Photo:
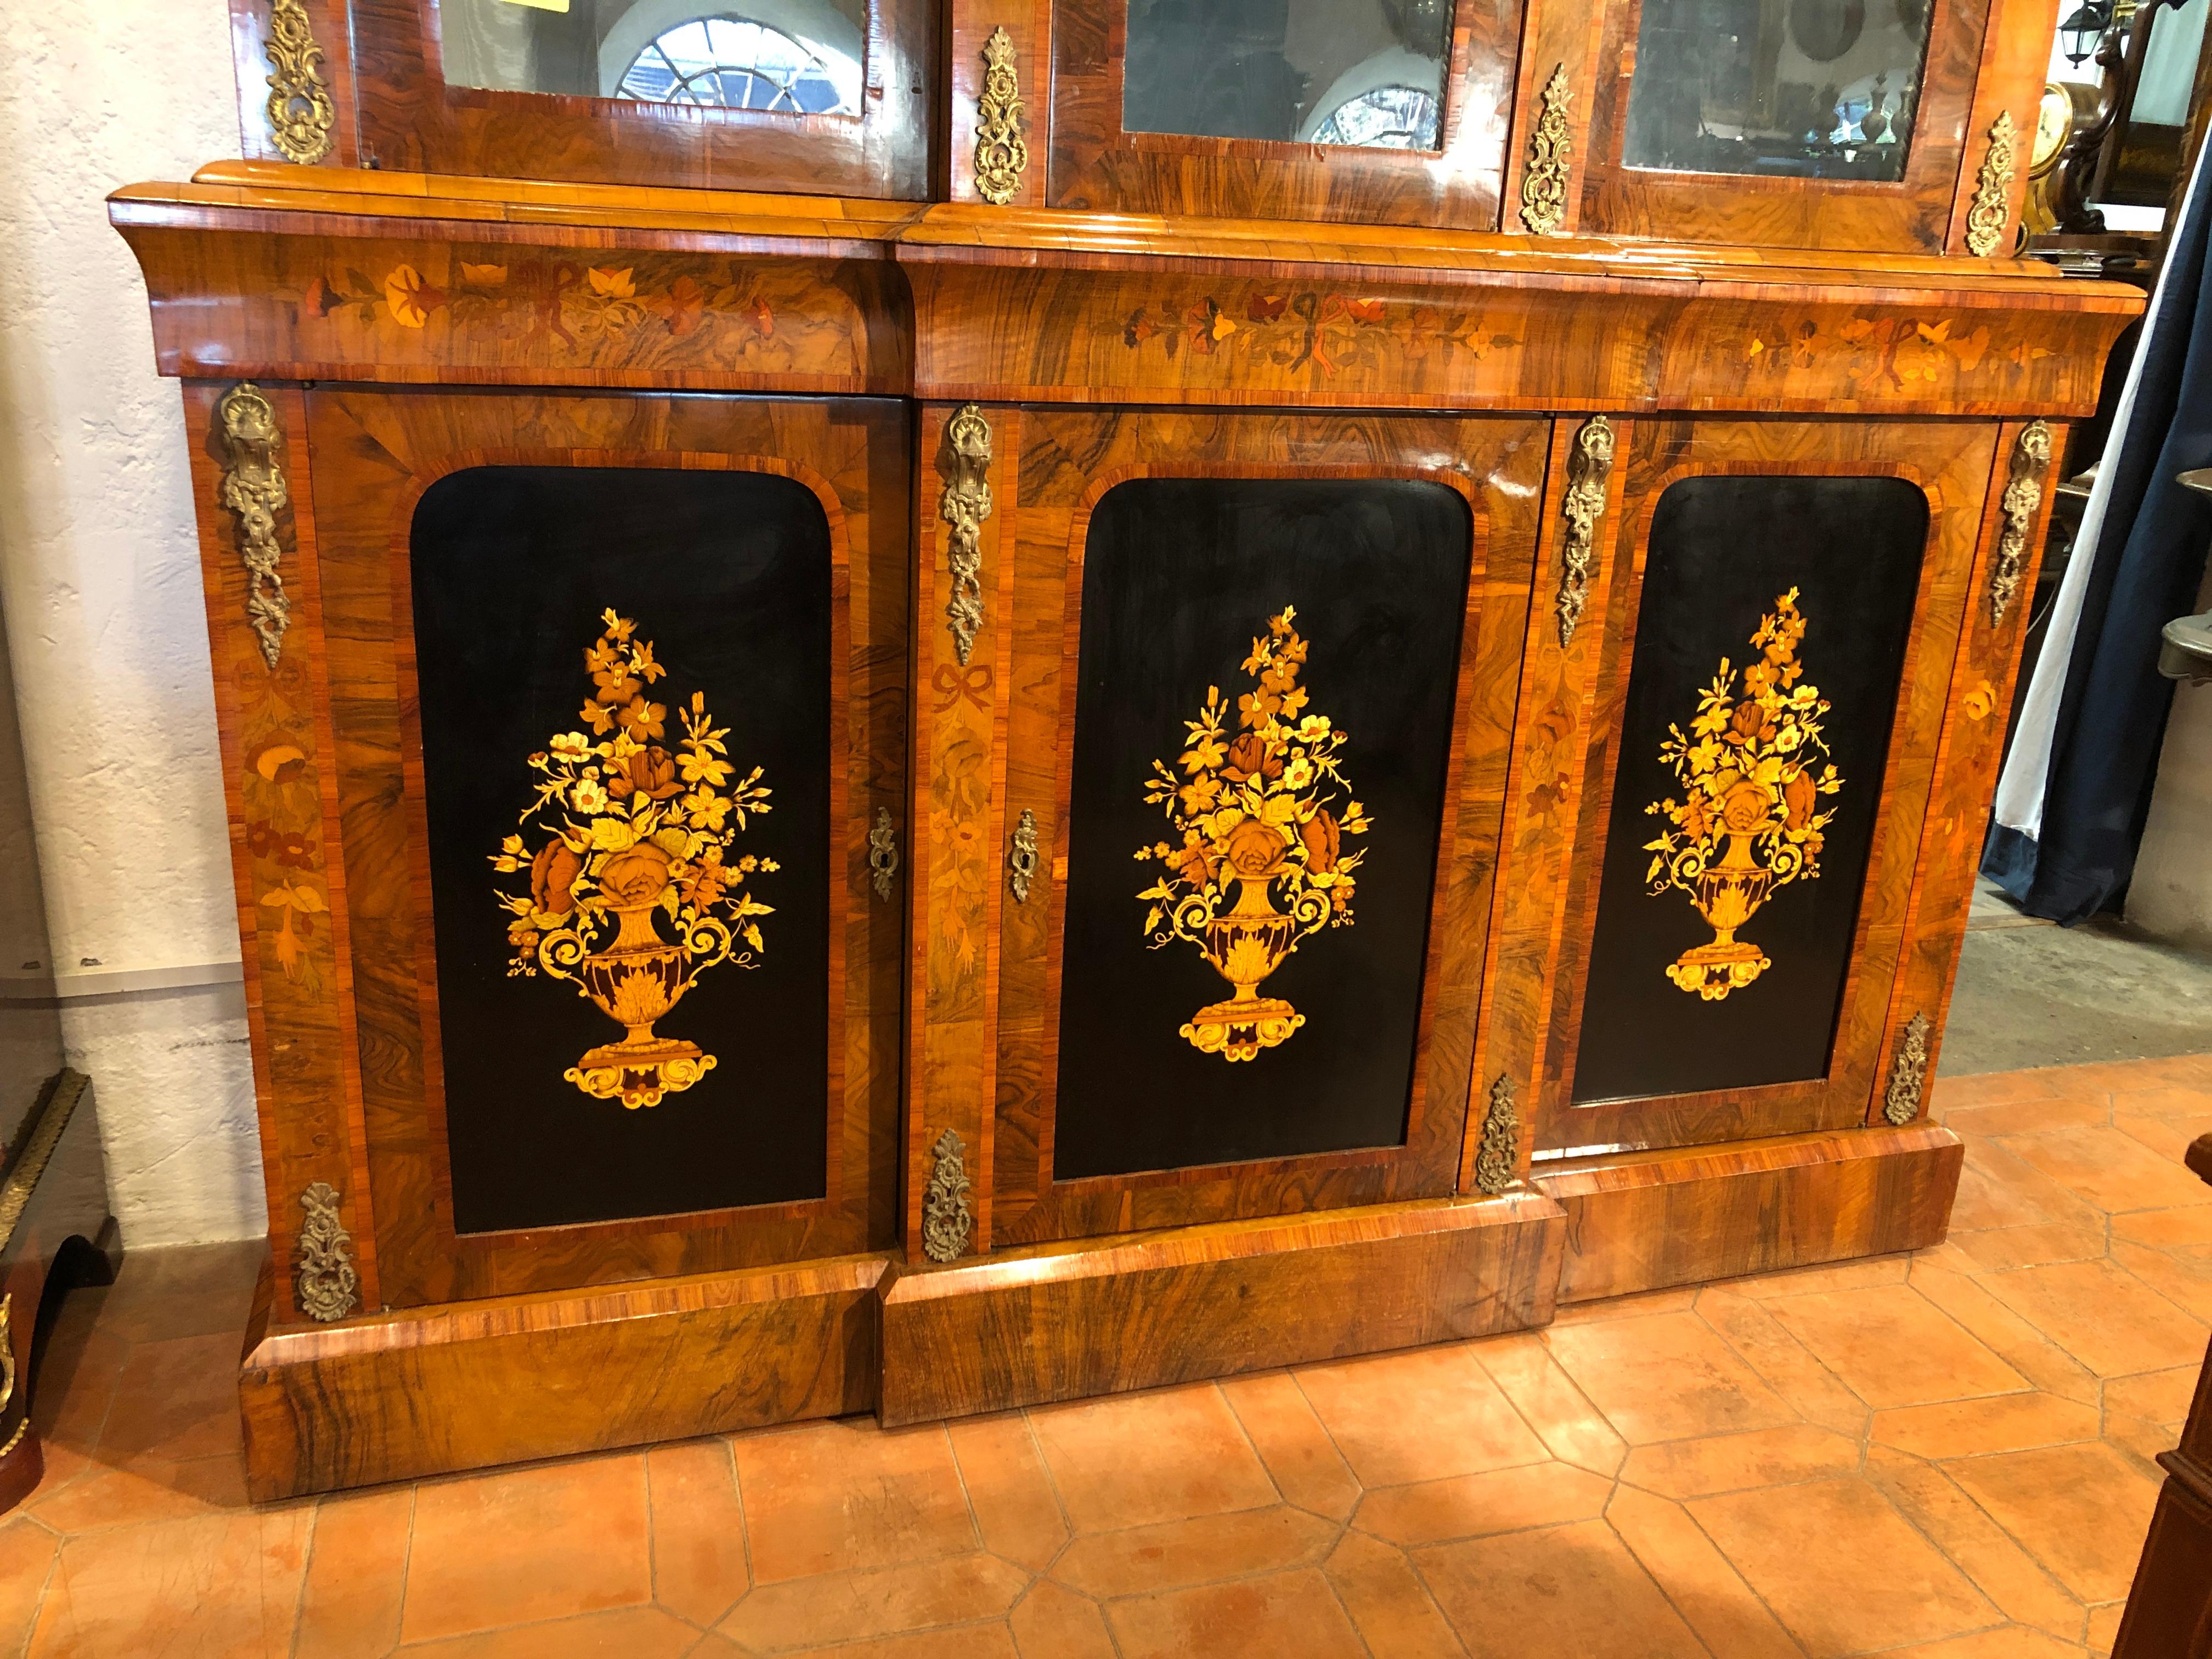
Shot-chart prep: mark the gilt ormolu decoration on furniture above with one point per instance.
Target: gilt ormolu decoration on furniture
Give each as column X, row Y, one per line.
column 1589, row 469
column 1990, row 213
column 964, row 505
column 326, row 1283
column 300, row 109
column 2023, row 495
column 1550, row 146
column 1497, row 1158
column 1908, row 1073
column 946, row 1220
column 7, row 1364
column 1752, row 769
column 883, row 853
column 253, row 489
column 1267, row 803
column 1022, row 856
column 1002, row 155
column 622, row 832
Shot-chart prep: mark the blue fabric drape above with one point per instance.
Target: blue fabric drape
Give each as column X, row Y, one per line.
column 2144, row 569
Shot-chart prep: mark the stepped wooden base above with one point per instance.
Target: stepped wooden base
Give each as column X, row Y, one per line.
column 430, row 1390
column 1102, row 1316
column 1640, row 1221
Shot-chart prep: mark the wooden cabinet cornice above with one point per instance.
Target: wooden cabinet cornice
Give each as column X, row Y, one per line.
column 256, row 269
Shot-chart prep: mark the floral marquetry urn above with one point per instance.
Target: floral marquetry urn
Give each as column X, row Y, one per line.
column 1261, row 809
column 1753, row 768
column 633, row 891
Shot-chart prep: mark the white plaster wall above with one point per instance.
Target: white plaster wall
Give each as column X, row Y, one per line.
column 99, row 578
column 2171, row 894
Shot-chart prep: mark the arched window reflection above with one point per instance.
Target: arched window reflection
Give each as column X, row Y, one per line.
column 729, row 62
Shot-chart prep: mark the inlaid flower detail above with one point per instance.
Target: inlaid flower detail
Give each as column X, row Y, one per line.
column 1755, row 768
column 1259, row 807
column 623, row 874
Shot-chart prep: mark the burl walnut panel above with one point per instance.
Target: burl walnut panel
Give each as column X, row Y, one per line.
column 1101, row 1316
column 1641, row 1221
column 434, row 1390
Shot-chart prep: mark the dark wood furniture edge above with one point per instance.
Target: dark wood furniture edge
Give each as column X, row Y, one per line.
column 55, row 1233
column 1095, row 1316
column 2169, row 1612
column 1642, row 1221
column 468, row 1385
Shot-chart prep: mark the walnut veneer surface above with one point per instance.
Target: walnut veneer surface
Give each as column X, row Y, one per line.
column 406, row 325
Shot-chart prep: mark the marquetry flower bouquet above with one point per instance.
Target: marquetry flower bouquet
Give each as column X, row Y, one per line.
column 1754, row 769
column 1261, row 813
column 633, row 889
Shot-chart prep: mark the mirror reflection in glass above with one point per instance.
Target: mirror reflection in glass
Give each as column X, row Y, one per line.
column 790, row 56
column 1793, row 88
column 1363, row 72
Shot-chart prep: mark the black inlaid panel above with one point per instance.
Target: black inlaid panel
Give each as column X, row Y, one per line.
column 1721, row 738
column 727, row 576
column 1186, row 587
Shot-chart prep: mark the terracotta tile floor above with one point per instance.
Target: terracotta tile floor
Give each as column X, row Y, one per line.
column 1946, row 1456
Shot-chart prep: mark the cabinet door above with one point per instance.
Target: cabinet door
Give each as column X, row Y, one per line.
column 1851, row 124
column 830, row 97
column 617, row 696
column 1300, row 109
column 1253, row 677
column 1784, row 611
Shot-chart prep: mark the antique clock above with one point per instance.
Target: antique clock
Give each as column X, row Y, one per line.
column 929, row 706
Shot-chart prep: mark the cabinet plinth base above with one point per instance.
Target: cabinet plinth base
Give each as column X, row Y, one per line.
column 431, row 1390
column 1641, row 1221
column 1102, row 1316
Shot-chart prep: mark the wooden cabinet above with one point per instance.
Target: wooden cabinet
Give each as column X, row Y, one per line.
column 844, row 803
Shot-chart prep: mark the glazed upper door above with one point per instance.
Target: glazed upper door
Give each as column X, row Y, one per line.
column 617, row 694
column 1392, row 111
column 1776, row 619
column 1213, row 765
column 830, row 97
column 1881, row 125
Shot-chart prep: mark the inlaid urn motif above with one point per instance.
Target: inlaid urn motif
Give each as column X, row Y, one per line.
column 632, row 891
column 1259, row 810
column 1753, row 768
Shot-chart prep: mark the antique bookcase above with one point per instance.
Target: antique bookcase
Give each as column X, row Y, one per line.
column 1348, row 693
